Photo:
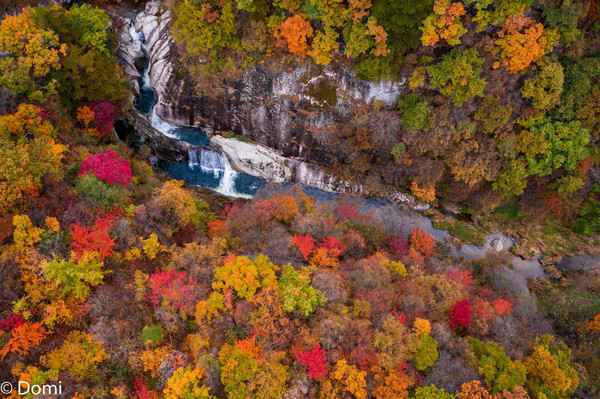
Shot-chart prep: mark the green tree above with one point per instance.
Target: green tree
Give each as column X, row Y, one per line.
column 432, row 392
column 513, row 178
column 401, row 20
column 426, row 352
column 414, row 112
column 73, row 277
column 458, row 75
column 248, row 374
column 98, row 192
column 495, row 12
column 499, row 371
column 296, row 292
column 492, row 114
column 545, row 88
column 548, row 145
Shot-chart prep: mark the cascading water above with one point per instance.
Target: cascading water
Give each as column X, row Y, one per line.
column 205, row 167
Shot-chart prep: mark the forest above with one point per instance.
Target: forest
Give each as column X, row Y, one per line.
column 119, row 281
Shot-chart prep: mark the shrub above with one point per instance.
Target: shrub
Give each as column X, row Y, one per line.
column 458, row 75
column 99, row 193
column 152, row 334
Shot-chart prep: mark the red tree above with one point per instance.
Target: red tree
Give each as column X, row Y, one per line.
column 109, row 167
column 398, row 245
column 333, row 245
column 460, row 314
column 173, row 289
column 305, row 244
column 142, row 391
column 11, row 321
column 93, row 239
column 105, row 114
column 314, row 361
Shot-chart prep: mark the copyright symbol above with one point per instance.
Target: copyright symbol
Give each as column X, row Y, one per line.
column 6, row 388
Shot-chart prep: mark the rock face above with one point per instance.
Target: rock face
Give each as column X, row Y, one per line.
column 261, row 161
column 279, row 109
column 282, row 111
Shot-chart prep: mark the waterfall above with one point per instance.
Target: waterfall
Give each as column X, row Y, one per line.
column 201, row 160
column 227, row 183
column 192, row 158
column 212, row 161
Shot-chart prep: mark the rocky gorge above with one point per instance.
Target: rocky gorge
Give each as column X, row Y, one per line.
column 277, row 114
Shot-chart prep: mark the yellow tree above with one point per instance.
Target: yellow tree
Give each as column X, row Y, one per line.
column 33, row 53
column 28, row 152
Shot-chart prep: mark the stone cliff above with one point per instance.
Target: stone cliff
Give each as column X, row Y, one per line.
column 285, row 110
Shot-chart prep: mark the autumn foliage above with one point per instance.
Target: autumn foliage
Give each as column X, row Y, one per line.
column 421, row 245
column 172, row 289
column 314, row 360
column 23, row 338
column 109, row 167
column 520, row 42
column 461, row 314
column 296, row 31
column 444, row 24
column 305, row 244
column 96, row 238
